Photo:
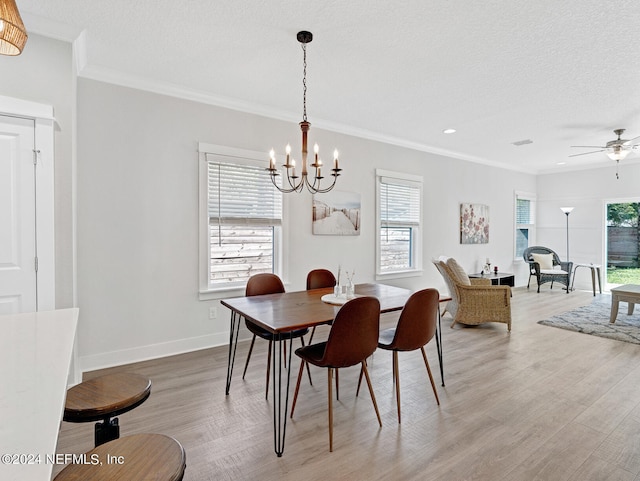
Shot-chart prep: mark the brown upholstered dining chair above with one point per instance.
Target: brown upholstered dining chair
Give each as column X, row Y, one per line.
column 352, row 339
column 318, row 279
column 257, row 285
column 415, row 328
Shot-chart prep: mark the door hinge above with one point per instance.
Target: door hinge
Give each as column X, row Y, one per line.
column 36, row 153
column 36, row 263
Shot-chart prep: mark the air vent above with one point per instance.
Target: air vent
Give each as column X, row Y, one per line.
column 522, row 142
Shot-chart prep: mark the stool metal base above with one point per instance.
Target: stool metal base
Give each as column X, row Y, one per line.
column 106, row 431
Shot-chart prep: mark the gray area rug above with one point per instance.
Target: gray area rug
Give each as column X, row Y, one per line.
column 594, row 319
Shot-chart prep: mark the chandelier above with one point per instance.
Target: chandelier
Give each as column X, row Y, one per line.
column 295, row 182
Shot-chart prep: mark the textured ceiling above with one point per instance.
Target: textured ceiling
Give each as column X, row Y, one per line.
column 559, row 73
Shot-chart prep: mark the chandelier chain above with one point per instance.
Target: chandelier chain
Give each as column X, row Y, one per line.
column 304, row 83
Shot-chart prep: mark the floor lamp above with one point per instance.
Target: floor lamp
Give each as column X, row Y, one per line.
column 567, row 211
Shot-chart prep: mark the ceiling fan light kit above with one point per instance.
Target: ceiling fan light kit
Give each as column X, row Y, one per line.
column 617, row 149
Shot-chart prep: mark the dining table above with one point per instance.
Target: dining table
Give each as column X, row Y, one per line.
column 283, row 313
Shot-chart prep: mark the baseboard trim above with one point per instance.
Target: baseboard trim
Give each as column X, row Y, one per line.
column 152, row 351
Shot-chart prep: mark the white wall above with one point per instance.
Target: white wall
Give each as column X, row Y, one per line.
column 43, row 73
column 137, row 202
column 138, row 216
column 587, row 191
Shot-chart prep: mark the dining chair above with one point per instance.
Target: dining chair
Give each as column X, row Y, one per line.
column 318, row 279
column 257, row 285
column 416, row 327
column 352, row 339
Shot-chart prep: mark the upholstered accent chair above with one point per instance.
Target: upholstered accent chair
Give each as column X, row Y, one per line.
column 473, row 301
column 546, row 266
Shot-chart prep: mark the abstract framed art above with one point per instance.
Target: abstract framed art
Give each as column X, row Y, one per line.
column 474, row 223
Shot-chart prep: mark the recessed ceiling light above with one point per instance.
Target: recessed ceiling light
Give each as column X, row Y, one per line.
column 561, row 163
column 449, row 131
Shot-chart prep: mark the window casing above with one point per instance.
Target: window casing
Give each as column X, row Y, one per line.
column 242, row 216
column 399, row 224
column 525, row 222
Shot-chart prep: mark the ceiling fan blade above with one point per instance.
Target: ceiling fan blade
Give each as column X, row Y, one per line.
column 627, row 142
column 586, row 153
column 589, row 146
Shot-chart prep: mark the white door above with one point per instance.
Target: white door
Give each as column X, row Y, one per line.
column 18, row 281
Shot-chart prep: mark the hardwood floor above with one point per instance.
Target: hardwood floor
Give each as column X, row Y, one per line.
column 539, row 403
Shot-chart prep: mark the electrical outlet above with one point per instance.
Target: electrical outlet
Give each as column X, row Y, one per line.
column 213, row 312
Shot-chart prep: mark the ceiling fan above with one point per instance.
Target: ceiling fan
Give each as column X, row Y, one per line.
column 616, row 149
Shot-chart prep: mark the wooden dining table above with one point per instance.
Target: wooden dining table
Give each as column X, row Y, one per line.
column 283, row 313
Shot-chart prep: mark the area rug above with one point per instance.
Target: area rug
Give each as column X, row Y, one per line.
column 594, row 319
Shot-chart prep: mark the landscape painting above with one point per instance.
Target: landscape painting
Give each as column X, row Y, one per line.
column 336, row 213
column 474, row 224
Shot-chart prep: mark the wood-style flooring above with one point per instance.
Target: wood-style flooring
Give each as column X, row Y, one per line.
column 538, row 403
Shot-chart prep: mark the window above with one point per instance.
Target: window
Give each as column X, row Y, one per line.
column 525, row 213
column 399, row 208
column 242, row 213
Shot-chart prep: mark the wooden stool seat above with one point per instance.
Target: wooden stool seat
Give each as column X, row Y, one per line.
column 104, row 397
column 139, row 456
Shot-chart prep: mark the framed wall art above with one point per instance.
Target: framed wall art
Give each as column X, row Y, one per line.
column 474, row 223
column 336, row 213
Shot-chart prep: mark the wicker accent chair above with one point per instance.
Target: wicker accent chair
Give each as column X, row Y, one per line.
column 542, row 264
column 474, row 301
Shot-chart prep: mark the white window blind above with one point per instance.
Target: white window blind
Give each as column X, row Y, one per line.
column 399, row 202
column 245, row 215
column 242, row 194
column 399, row 217
column 525, row 219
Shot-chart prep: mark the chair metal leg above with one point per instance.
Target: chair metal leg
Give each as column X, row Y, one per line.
column 246, row 364
column 308, row 371
column 433, row 384
column 373, row 396
column 330, row 397
column 359, row 382
column 313, row 331
column 396, row 381
column 337, row 386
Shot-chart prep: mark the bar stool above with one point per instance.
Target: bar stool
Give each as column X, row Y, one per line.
column 104, row 397
column 138, row 456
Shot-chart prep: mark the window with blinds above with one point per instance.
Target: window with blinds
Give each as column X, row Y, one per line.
column 399, row 202
column 244, row 217
column 525, row 222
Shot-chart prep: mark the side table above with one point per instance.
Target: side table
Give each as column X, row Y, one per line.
column 497, row 279
column 595, row 269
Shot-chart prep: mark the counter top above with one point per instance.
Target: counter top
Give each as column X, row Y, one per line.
column 35, row 356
